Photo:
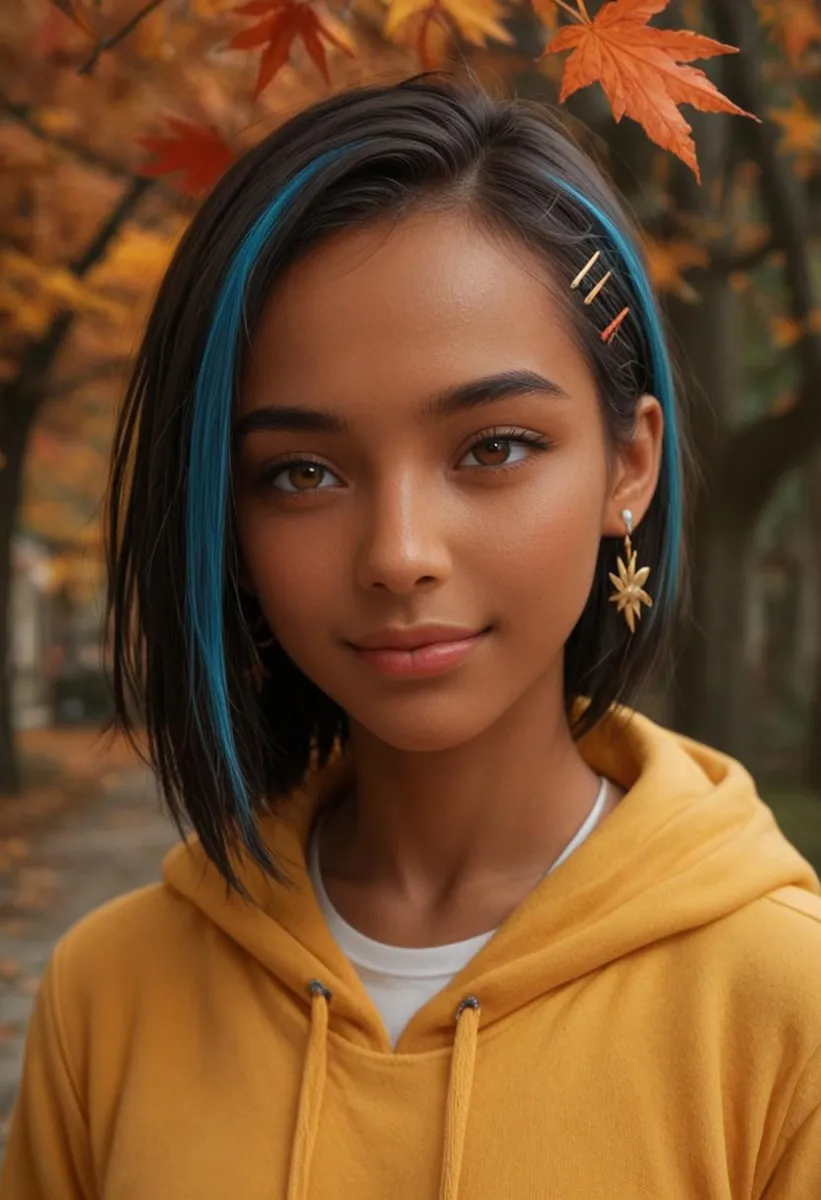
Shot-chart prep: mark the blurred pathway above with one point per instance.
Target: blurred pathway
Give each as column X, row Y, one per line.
column 95, row 851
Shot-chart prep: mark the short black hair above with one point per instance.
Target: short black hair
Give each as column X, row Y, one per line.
column 182, row 626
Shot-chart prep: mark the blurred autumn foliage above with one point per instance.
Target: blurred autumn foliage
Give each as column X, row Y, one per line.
column 116, row 115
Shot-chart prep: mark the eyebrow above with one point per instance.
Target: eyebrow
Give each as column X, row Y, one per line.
column 490, row 388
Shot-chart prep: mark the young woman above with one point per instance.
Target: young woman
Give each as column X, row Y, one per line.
column 454, row 921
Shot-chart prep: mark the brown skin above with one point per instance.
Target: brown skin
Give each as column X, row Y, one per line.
column 469, row 784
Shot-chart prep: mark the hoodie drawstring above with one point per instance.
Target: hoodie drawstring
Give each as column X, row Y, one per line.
column 313, row 1086
column 459, row 1090
column 310, row 1095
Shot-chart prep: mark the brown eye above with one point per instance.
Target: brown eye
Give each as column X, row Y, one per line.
column 504, row 449
column 300, row 475
column 492, row 452
column 304, row 477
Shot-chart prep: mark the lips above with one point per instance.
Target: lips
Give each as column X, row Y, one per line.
column 419, row 652
column 414, row 637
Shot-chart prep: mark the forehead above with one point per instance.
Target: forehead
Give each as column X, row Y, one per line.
column 405, row 309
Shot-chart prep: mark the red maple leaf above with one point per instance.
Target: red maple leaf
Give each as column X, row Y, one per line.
column 640, row 70
column 196, row 150
column 68, row 9
column 283, row 22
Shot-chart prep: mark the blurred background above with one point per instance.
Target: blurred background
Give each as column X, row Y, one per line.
column 115, row 116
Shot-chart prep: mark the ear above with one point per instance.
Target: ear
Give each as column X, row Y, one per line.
column 636, row 468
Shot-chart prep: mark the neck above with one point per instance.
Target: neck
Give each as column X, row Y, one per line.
column 434, row 827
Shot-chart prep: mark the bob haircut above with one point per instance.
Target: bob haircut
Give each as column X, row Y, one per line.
column 183, row 646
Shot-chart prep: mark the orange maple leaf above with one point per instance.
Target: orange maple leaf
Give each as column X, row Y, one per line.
column 432, row 24
column 640, row 70
column 667, row 262
column 802, row 128
column 548, row 13
column 195, row 150
column 795, row 23
column 788, row 331
column 283, row 22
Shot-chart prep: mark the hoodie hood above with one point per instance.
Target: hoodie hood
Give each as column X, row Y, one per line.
column 690, row 843
column 190, row 1043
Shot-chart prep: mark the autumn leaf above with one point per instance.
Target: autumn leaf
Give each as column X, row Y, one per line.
column 210, row 8
column 75, row 15
column 429, row 36
column 548, row 13
column 283, row 21
column 802, row 128
column 474, row 20
column 139, row 255
column 151, row 37
column 641, row 71
column 27, row 282
column 794, row 23
column 666, row 262
column 788, row 331
column 198, row 152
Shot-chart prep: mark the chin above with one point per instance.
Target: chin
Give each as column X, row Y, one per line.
column 427, row 727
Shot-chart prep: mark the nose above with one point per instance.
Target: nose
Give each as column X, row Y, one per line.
column 404, row 543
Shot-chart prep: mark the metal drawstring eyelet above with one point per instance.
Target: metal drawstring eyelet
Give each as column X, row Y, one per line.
column 468, row 1002
column 317, row 988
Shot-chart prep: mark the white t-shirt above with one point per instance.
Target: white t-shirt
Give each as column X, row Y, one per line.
column 401, row 979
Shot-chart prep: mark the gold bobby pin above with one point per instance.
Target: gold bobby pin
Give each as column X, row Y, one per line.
column 612, row 329
column 593, row 293
column 587, row 267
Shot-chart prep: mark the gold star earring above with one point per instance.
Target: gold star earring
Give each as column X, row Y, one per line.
column 629, row 583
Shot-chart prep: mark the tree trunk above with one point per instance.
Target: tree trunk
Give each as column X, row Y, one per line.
column 813, row 755
column 708, row 700
column 17, row 424
column 20, row 402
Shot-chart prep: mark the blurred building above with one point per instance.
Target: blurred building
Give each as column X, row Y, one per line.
column 55, row 623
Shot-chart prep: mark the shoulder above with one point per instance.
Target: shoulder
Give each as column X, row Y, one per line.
column 802, row 909
column 789, row 922
column 769, row 955
column 787, row 926
column 125, row 947
column 780, row 930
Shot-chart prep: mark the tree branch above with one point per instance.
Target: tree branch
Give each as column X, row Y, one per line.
column 27, row 386
column 108, row 43
column 24, row 115
column 764, row 451
column 62, row 388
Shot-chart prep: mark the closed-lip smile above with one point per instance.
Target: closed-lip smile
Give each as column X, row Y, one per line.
column 413, row 637
column 418, row 651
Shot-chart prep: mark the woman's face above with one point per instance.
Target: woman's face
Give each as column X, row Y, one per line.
column 420, row 444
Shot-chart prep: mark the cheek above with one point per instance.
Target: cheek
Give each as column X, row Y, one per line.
column 543, row 554
column 295, row 568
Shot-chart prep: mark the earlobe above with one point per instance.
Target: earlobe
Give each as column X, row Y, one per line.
column 637, row 468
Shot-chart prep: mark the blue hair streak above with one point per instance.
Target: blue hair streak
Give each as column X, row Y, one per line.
column 208, row 497
column 663, row 385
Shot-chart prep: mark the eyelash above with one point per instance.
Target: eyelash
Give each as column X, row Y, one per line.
column 515, row 436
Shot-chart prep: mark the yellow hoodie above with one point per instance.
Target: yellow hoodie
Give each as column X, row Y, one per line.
column 646, row 1024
